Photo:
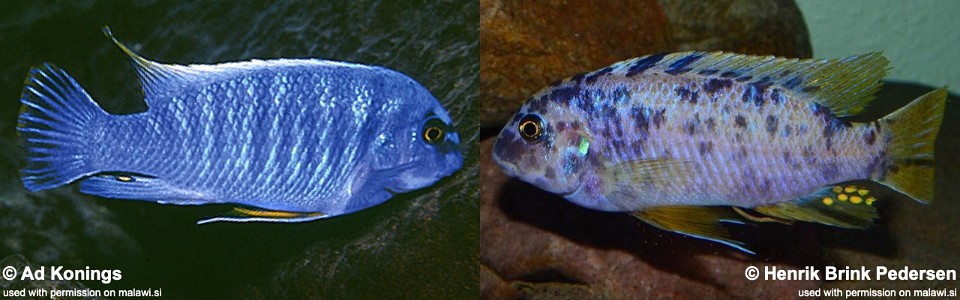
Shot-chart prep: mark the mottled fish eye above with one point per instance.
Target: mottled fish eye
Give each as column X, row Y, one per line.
column 433, row 131
column 531, row 128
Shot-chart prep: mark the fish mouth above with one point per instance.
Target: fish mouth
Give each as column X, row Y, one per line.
column 575, row 190
column 507, row 167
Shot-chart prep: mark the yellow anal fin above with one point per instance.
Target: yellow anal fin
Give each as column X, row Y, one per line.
column 256, row 215
column 837, row 206
column 696, row 221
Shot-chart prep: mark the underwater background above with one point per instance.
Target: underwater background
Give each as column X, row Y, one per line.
column 422, row 244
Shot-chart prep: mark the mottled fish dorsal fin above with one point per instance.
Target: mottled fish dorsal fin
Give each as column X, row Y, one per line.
column 240, row 214
column 841, row 206
column 155, row 78
column 697, row 221
column 845, row 86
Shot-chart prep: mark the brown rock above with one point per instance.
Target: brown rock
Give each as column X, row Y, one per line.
column 760, row 27
column 525, row 45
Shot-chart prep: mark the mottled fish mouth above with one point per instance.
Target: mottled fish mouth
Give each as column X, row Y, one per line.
column 575, row 190
column 507, row 167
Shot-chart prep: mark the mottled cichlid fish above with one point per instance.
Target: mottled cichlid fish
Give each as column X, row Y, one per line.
column 288, row 139
column 687, row 141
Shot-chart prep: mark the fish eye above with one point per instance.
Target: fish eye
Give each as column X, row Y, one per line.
column 531, row 128
column 433, row 131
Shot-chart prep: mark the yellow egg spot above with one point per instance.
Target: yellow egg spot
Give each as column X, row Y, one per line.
column 856, row 199
column 837, row 189
column 863, row 192
column 827, row 201
column 870, row 200
column 850, row 189
column 124, row 178
column 842, row 197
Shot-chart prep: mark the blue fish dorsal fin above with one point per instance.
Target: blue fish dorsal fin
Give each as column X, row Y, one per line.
column 845, row 86
column 155, row 78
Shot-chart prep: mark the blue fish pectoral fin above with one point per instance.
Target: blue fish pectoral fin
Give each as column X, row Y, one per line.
column 139, row 187
column 703, row 222
column 841, row 206
column 240, row 214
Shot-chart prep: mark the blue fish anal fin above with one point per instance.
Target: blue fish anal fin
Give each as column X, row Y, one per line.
column 140, row 187
column 242, row 215
column 55, row 125
column 702, row 222
column 155, row 78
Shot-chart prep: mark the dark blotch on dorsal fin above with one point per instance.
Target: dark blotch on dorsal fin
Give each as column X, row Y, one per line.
column 596, row 75
column 578, row 78
column 729, row 74
column 644, row 63
column 680, row 66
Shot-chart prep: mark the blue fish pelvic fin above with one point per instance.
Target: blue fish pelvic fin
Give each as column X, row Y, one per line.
column 55, row 126
column 243, row 215
column 155, row 78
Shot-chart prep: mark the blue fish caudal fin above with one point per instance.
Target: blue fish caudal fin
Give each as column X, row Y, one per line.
column 54, row 126
column 914, row 129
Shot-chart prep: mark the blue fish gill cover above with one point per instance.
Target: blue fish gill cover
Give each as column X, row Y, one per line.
column 291, row 139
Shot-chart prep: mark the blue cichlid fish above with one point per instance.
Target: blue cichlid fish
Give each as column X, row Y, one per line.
column 292, row 139
column 687, row 141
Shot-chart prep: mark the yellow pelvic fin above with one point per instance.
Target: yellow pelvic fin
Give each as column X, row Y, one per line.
column 697, row 221
column 820, row 207
column 914, row 130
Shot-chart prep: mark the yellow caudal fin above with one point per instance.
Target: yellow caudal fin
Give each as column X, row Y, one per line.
column 914, row 131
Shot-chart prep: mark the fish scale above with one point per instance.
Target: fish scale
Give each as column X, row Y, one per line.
column 290, row 139
column 676, row 139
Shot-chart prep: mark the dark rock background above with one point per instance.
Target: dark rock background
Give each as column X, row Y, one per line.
column 417, row 245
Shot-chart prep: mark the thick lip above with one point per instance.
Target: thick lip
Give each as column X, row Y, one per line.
column 510, row 170
column 507, row 167
column 575, row 190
